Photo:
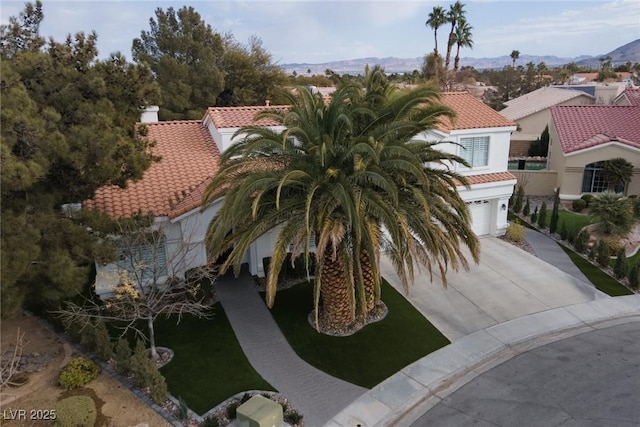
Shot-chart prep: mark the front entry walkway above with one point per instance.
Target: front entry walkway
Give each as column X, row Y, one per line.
column 318, row 396
column 507, row 284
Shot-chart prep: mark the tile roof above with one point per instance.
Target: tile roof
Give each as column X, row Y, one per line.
column 490, row 177
column 172, row 186
column 632, row 95
column 235, row 117
column 538, row 100
column 585, row 126
column 471, row 113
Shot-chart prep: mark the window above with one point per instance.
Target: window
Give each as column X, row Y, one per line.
column 475, row 150
column 593, row 180
column 146, row 260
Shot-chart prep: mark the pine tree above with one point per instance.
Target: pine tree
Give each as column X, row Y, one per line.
column 555, row 216
column 582, row 241
column 122, row 356
column 517, row 204
column 527, row 208
column 620, row 267
column 542, row 215
column 564, row 232
column 603, row 255
column 534, row 216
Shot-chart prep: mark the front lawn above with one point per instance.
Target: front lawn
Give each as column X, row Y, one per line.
column 209, row 365
column 367, row 357
column 571, row 219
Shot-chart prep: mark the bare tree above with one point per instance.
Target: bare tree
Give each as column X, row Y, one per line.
column 10, row 361
column 148, row 279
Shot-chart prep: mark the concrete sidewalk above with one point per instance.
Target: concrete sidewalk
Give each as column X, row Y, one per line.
column 507, row 284
column 318, row 396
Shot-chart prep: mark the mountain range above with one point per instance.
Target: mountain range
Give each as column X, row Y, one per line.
column 628, row 52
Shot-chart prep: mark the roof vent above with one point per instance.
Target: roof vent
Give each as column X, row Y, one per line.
column 149, row 114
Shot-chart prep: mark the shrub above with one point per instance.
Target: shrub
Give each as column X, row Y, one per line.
column 517, row 203
column 515, row 232
column 211, row 421
column 527, row 208
column 78, row 372
column 634, row 276
column 602, row 253
column 534, row 216
column 102, row 345
column 587, row 199
column 564, row 232
column 614, row 213
column 620, row 267
column 293, row 417
column 572, row 233
column 581, row 241
column 636, row 205
column 614, row 245
column 542, row 215
column 555, row 216
column 73, row 329
column 122, row 356
column 146, row 374
column 77, row 411
column 578, row 205
column 183, row 409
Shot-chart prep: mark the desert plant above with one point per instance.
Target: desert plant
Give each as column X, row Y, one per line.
column 542, row 215
column 634, row 276
column 515, row 232
column 620, row 267
column 602, row 253
column 519, row 198
column 581, row 241
column 527, row 208
column 78, row 372
column 564, row 232
column 578, row 205
column 77, row 411
column 555, row 216
column 617, row 172
column 534, row 216
column 587, row 199
column 122, row 356
column 614, row 213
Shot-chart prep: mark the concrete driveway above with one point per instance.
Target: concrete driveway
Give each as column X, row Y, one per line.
column 507, row 284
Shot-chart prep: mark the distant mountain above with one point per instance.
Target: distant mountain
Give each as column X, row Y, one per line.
column 621, row 55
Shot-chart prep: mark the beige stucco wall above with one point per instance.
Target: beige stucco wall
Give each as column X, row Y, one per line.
column 537, row 183
column 535, row 123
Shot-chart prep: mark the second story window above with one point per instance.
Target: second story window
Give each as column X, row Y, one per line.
column 475, row 150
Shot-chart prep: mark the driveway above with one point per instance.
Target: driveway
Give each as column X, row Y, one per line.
column 508, row 283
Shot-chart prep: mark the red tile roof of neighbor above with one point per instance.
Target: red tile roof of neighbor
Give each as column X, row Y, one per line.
column 490, row 177
column 585, row 126
column 471, row 113
column 235, row 117
column 631, row 95
column 172, row 186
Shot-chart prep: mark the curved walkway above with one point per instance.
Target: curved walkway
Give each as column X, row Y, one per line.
column 316, row 394
column 403, row 398
column 550, row 251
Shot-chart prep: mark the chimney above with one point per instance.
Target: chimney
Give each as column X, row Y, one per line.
column 149, row 114
column 267, row 102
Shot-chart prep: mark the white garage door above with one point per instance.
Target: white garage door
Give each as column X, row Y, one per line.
column 480, row 216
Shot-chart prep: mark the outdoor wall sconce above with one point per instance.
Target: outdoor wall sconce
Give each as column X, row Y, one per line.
column 503, row 207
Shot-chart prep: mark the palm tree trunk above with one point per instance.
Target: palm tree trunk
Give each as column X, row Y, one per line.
column 337, row 300
column 456, row 61
column 450, row 43
column 369, row 282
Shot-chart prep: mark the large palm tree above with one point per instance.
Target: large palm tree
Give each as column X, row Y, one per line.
column 454, row 14
column 515, row 54
column 618, row 172
column 341, row 173
column 462, row 38
column 436, row 18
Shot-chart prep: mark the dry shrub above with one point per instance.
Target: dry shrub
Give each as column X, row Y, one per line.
column 515, row 232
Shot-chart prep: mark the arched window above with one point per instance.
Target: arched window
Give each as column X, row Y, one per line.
column 593, row 180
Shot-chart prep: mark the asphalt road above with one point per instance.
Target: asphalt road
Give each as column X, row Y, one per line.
column 588, row 380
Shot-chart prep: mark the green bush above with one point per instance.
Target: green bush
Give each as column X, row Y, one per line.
column 564, row 232
column 527, row 208
column 78, row 372
column 293, row 417
column 534, row 216
column 581, row 242
column 614, row 245
column 542, row 215
column 578, row 205
column 572, row 233
column 602, row 253
column 587, row 199
column 517, row 203
column 146, row 374
column 76, row 411
column 122, row 356
column 515, row 232
column 634, row 276
column 636, row 205
column 211, row 421
column 102, row 345
column 620, row 267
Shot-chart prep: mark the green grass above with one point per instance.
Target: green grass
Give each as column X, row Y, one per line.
column 599, row 278
column 571, row 220
column 370, row 355
column 209, row 365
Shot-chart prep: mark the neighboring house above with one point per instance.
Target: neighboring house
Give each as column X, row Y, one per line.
column 531, row 113
column 583, row 137
column 172, row 188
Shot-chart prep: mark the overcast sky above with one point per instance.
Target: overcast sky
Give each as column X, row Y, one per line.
column 322, row 31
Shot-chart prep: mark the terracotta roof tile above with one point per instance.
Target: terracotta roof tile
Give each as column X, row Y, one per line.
column 471, row 113
column 490, row 177
column 189, row 156
column 235, row 117
column 631, row 95
column 586, row 126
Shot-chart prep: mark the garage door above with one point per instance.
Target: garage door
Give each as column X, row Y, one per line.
column 480, row 216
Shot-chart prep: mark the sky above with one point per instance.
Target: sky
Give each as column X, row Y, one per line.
column 313, row 31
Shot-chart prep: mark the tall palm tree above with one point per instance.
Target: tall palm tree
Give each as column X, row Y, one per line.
column 462, row 38
column 436, row 18
column 515, row 54
column 341, row 173
column 455, row 13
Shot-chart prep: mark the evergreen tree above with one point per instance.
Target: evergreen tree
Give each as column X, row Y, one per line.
column 555, row 216
column 517, row 205
column 534, row 216
column 542, row 215
column 634, row 276
column 527, row 208
column 603, row 255
column 620, row 267
column 564, row 232
column 581, row 241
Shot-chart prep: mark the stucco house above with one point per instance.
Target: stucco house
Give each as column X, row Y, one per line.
column 583, row 137
column 172, row 188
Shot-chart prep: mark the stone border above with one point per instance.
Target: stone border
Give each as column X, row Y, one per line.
column 404, row 397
